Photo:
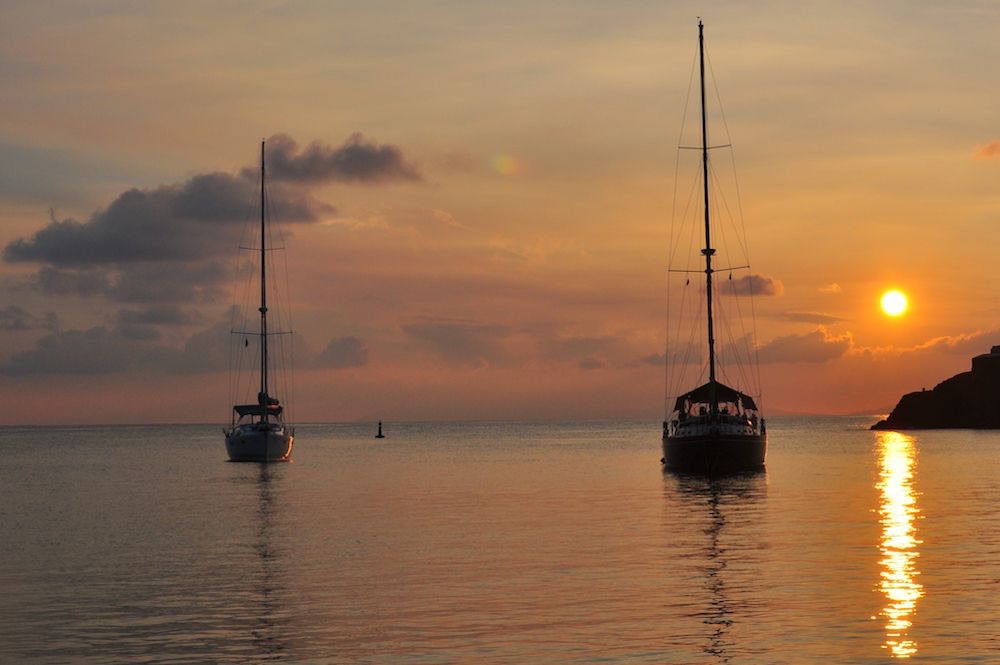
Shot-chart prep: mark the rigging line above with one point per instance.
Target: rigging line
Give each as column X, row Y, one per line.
column 285, row 352
column 289, row 371
column 677, row 228
column 756, row 351
column 740, row 236
column 681, row 371
column 734, row 348
column 737, row 359
column 678, row 332
column 687, row 99
column 739, row 343
column 718, row 96
column 729, row 138
column 695, row 331
column 739, row 203
column 666, row 357
column 687, row 103
column 692, row 236
column 720, row 192
column 732, row 156
column 693, row 227
column 233, row 379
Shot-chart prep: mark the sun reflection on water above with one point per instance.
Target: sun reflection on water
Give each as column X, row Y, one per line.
column 898, row 512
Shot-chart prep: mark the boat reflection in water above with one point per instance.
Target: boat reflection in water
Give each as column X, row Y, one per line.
column 898, row 512
column 266, row 584
column 733, row 506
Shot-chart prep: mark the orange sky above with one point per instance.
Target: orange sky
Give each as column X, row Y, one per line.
column 507, row 261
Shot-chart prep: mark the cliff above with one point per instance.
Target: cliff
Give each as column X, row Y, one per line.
column 967, row 400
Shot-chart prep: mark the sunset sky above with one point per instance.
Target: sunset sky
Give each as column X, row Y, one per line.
column 478, row 196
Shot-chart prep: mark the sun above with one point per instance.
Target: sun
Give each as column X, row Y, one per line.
column 894, row 302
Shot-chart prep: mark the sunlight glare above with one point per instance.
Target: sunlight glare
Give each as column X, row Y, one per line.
column 898, row 513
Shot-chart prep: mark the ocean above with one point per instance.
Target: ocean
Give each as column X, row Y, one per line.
column 497, row 543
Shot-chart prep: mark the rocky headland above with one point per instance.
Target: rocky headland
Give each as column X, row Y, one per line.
column 967, row 400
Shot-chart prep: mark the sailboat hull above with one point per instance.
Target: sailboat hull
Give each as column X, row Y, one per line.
column 246, row 444
column 715, row 454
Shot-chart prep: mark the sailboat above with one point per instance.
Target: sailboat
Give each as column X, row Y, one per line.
column 258, row 432
column 712, row 428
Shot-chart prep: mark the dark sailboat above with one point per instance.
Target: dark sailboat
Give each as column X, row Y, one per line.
column 258, row 432
column 712, row 428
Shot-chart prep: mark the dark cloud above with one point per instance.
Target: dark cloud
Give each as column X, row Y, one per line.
column 205, row 351
column 58, row 282
column 93, row 351
column 170, row 315
column 590, row 363
column 358, row 160
column 139, row 332
column 758, row 285
column 172, row 223
column 810, row 317
column 817, row 346
column 199, row 282
column 102, row 350
column 343, row 352
column 14, row 319
column 163, row 245
column 460, row 341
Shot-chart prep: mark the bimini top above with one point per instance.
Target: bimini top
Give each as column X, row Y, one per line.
column 258, row 410
column 723, row 393
column 267, row 405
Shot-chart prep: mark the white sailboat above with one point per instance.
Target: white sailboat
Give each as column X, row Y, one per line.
column 258, row 432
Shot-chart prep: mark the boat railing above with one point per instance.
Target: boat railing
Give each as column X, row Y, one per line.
column 689, row 423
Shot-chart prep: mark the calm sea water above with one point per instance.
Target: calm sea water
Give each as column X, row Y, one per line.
column 497, row 543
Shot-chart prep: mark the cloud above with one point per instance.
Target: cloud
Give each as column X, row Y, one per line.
column 161, row 245
column 56, row 282
column 170, row 223
column 758, row 285
column 461, row 341
column 831, row 288
column 590, row 363
column 582, row 348
column 810, row 317
column 358, row 160
column 103, row 350
column 680, row 354
column 967, row 344
column 169, row 314
column 989, row 150
column 817, row 346
column 198, row 282
column 93, row 351
column 16, row 319
column 342, row 353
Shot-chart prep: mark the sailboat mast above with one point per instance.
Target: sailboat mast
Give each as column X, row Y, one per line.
column 262, row 399
column 708, row 251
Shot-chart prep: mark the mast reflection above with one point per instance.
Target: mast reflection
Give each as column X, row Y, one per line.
column 268, row 630
column 898, row 512
column 740, row 496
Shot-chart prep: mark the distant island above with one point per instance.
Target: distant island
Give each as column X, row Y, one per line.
column 966, row 400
